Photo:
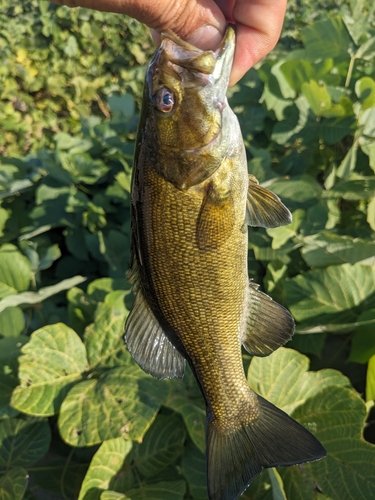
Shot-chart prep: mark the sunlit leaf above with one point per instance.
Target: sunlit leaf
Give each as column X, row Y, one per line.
column 26, row 298
column 334, row 294
column 54, row 358
column 122, row 402
column 370, row 379
column 106, row 463
column 287, row 368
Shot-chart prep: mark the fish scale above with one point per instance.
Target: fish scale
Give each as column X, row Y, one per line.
column 192, row 199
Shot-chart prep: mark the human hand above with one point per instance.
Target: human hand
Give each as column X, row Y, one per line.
column 202, row 23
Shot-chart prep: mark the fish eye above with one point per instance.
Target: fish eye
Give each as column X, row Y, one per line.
column 164, row 100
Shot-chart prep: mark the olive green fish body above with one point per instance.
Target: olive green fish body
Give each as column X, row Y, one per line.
column 192, row 200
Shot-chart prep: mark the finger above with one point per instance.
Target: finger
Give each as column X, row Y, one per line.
column 200, row 22
column 258, row 26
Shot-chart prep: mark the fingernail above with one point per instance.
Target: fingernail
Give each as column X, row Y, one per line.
column 206, row 37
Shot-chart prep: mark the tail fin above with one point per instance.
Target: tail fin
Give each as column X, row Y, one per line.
column 273, row 439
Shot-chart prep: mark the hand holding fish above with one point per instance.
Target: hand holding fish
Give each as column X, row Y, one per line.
column 202, row 23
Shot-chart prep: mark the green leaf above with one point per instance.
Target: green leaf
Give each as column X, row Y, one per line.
column 286, row 368
column 12, row 322
column 15, row 271
column 365, row 90
column 52, row 361
column 106, row 463
column 371, row 213
column 122, row 402
column 113, row 495
column 326, row 248
column 370, row 379
column 23, row 441
column 317, row 96
column 104, row 338
column 42, row 294
column 363, row 341
column 185, row 399
column 278, row 492
column 326, row 39
column 335, row 294
column 353, row 189
column 336, row 416
column 13, row 484
column 348, row 164
column 280, row 235
column 194, row 470
column 162, row 444
column 164, row 490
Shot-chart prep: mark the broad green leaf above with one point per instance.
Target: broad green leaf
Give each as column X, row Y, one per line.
column 348, row 164
column 162, row 444
column 105, row 337
column 278, row 492
column 283, row 379
column 366, row 120
column 13, row 484
column 336, row 294
column 52, row 361
column 336, row 416
column 326, row 248
column 185, row 399
column 15, row 271
column 367, row 50
column 298, row 190
column 371, row 213
column 370, row 379
column 12, row 322
column 106, row 463
column 318, row 97
column 194, row 470
column 23, row 441
column 26, row 298
column 122, row 402
column 365, row 90
column 327, row 39
column 164, row 490
column 280, row 235
column 113, row 495
column 353, row 189
column 363, row 340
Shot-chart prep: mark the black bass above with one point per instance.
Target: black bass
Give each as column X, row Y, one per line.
column 192, row 200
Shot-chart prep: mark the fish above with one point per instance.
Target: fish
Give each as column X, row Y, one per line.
column 192, row 201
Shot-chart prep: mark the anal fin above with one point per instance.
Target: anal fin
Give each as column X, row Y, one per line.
column 269, row 324
column 264, row 208
column 149, row 345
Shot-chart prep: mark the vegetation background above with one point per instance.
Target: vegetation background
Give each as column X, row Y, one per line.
column 78, row 418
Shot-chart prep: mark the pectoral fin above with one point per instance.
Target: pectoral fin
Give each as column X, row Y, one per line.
column 269, row 325
column 216, row 219
column 265, row 208
column 149, row 345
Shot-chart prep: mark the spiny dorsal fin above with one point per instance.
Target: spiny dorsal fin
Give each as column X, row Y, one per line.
column 269, row 325
column 149, row 345
column 265, row 208
column 216, row 219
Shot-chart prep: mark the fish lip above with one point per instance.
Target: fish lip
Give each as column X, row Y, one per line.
column 216, row 63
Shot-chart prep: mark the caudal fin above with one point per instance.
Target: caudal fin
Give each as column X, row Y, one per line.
column 273, row 439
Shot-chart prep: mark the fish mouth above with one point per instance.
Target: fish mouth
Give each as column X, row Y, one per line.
column 216, row 64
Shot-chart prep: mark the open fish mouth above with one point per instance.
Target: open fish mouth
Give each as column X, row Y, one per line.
column 216, row 64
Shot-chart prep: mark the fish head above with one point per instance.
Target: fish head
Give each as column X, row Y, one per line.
column 186, row 89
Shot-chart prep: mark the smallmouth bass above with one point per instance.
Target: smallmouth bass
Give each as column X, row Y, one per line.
column 192, row 200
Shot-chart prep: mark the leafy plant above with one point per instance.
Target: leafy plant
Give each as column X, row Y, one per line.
column 78, row 418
